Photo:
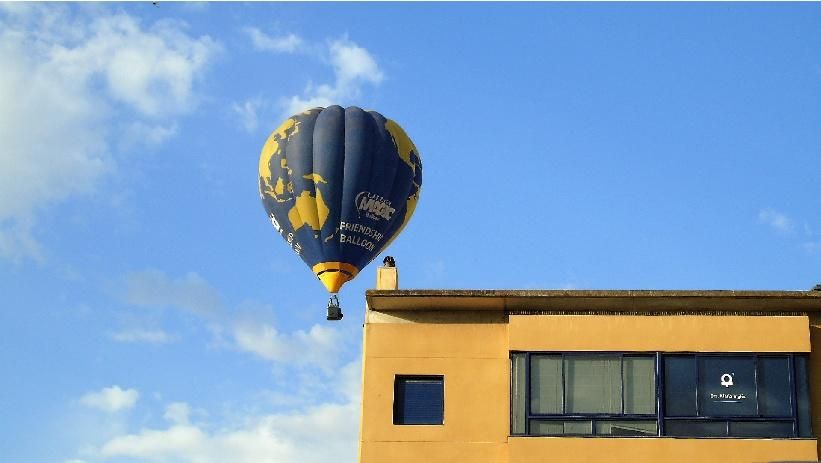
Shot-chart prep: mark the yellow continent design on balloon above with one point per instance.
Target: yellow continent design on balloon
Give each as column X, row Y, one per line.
column 271, row 150
column 403, row 143
column 279, row 189
column 309, row 210
column 404, row 146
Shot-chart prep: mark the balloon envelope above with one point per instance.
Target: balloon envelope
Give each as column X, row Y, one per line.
column 339, row 185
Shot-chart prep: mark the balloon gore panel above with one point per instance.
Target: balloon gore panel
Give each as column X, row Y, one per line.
column 339, row 185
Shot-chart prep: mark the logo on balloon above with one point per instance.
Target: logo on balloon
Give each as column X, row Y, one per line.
column 373, row 206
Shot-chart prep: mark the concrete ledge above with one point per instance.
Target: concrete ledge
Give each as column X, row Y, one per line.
column 662, row 449
column 634, row 301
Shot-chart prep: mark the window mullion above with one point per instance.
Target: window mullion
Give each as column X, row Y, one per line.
column 659, row 395
column 527, row 394
column 621, row 379
column 698, row 382
column 793, row 395
column 757, row 363
column 564, row 387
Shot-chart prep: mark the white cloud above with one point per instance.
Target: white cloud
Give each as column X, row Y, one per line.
column 786, row 225
column 274, row 439
column 777, row 220
column 177, row 412
column 243, row 329
column 247, row 112
column 48, row 146
column 65, row 78
column 284, row 44
column 297, row 104
column 139, row 133
column 317, row 346
column 153, row 288
column 353, row 67
column 317, row 405
column 111, row 399
column 143, row 336
column 353, row 63
column 152, row 70
column 325, row 431
column 16, row 238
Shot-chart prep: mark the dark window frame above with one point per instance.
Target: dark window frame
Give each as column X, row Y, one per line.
column 399, row 418
column 795, row 389
column 593, row 418
column 728, row 419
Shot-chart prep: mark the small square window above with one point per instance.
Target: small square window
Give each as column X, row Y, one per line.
column 419, row 400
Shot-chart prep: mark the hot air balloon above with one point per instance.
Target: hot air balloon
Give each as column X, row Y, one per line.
column 339, row 185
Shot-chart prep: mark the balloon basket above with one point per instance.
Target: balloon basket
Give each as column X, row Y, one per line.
column 334, row 311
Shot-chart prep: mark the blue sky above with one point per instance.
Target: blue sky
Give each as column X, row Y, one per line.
column 151, row 314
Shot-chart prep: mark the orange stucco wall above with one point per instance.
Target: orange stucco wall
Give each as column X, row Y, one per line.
column 687, row 333
column 667, row 450
column 430, row 452
column 474, row 360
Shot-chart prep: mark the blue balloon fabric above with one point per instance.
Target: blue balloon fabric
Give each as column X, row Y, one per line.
column 339, row 185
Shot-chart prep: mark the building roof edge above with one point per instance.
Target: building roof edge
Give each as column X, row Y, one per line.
column 598, row 300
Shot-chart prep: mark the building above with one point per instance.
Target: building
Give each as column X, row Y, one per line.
column 590, row 376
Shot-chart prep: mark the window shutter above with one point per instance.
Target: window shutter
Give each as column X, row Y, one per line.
column 419, row 400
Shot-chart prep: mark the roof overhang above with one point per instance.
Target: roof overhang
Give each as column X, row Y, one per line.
column 595, row 300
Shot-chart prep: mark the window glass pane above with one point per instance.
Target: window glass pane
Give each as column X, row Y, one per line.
column 593, row 384
column 626, row 428
column 546, row 384
column 726, row 386
column 679, row 385
column 639, row 385
column 803, row 394
column 693, row 428
column 546, row 428
column 578, row 427
column 761, row 428
column 517, row 393
column 558, row 428
column 774, row 386
column 419, row 400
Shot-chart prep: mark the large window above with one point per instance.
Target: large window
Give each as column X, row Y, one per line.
column 735, row 395
column 587, row 394
column 640, row 394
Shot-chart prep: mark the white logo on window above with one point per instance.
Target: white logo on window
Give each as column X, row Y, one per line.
column 726, row 380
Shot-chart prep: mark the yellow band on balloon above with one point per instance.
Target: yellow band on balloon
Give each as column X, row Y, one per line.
column 334, row 274
column 337, row 266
